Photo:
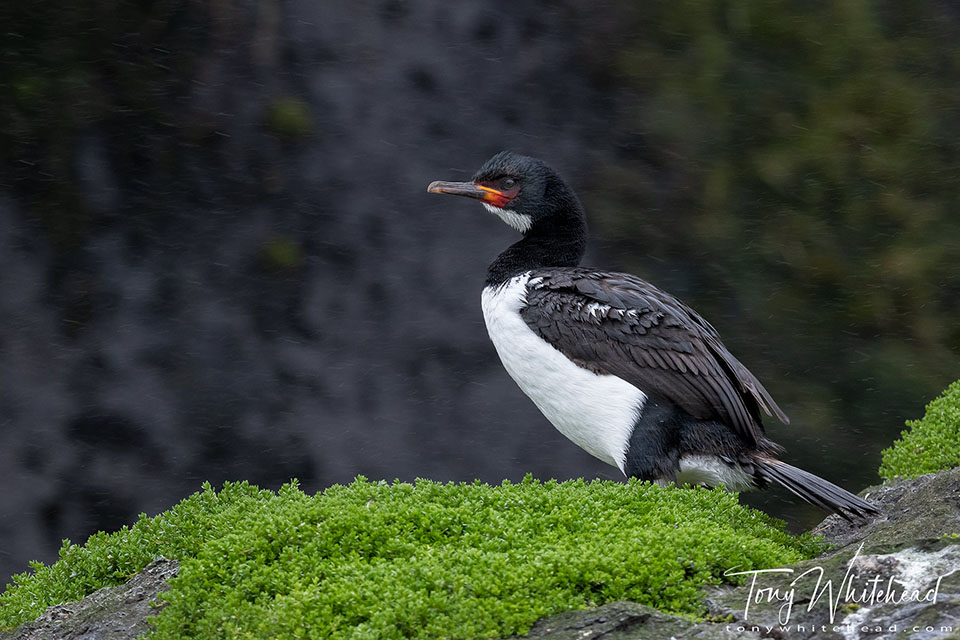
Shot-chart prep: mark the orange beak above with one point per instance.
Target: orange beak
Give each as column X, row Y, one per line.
column 471, row 190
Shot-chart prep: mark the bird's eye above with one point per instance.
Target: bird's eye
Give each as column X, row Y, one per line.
column 508, row 183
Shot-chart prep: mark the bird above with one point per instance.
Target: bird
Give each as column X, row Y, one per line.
column 623, row 369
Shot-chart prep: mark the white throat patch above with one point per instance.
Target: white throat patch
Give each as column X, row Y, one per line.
column 519, row 221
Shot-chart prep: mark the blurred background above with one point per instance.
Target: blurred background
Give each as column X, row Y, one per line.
column 218, row 259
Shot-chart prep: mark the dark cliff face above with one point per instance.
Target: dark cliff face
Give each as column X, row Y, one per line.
column 218, row 259
column 265, row 290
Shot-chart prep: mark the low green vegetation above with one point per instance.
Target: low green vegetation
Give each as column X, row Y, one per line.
column 931, row 443
column 422, row 560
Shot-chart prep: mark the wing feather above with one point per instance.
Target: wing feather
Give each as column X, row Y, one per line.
column 618, row 324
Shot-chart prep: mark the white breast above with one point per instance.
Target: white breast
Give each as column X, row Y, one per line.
column 597, row 412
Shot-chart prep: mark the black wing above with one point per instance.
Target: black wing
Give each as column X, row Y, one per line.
column 618, row 324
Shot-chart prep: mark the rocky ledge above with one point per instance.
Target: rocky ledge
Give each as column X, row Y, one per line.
column 896, row 576
column 111, row 613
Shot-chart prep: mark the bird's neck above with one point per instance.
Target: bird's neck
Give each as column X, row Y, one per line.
column 558, row 241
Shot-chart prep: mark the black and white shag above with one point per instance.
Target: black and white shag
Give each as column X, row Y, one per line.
column 626, row 371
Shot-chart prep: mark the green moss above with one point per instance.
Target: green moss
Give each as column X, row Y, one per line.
column 290, row 118
column 930, row 444
column 281, row 254
column 423, row 560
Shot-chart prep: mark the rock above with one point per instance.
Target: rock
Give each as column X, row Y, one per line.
column 111, row 613
column 616, row 620
column 913, row 509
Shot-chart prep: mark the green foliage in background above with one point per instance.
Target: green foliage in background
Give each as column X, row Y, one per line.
column 423, row 560
column 790, row 169
column 290, row 118
column 930, row 444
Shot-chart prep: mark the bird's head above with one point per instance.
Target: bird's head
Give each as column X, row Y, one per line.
column 521, row 190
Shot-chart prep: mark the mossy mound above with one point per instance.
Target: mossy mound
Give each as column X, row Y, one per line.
column 931, row 443
column 423, row 560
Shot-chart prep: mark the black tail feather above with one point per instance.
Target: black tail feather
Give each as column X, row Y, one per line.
column 814, row 489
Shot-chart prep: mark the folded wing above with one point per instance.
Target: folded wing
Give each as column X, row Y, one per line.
column 617, row 324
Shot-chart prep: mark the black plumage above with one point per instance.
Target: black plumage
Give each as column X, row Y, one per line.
column 617, row 324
